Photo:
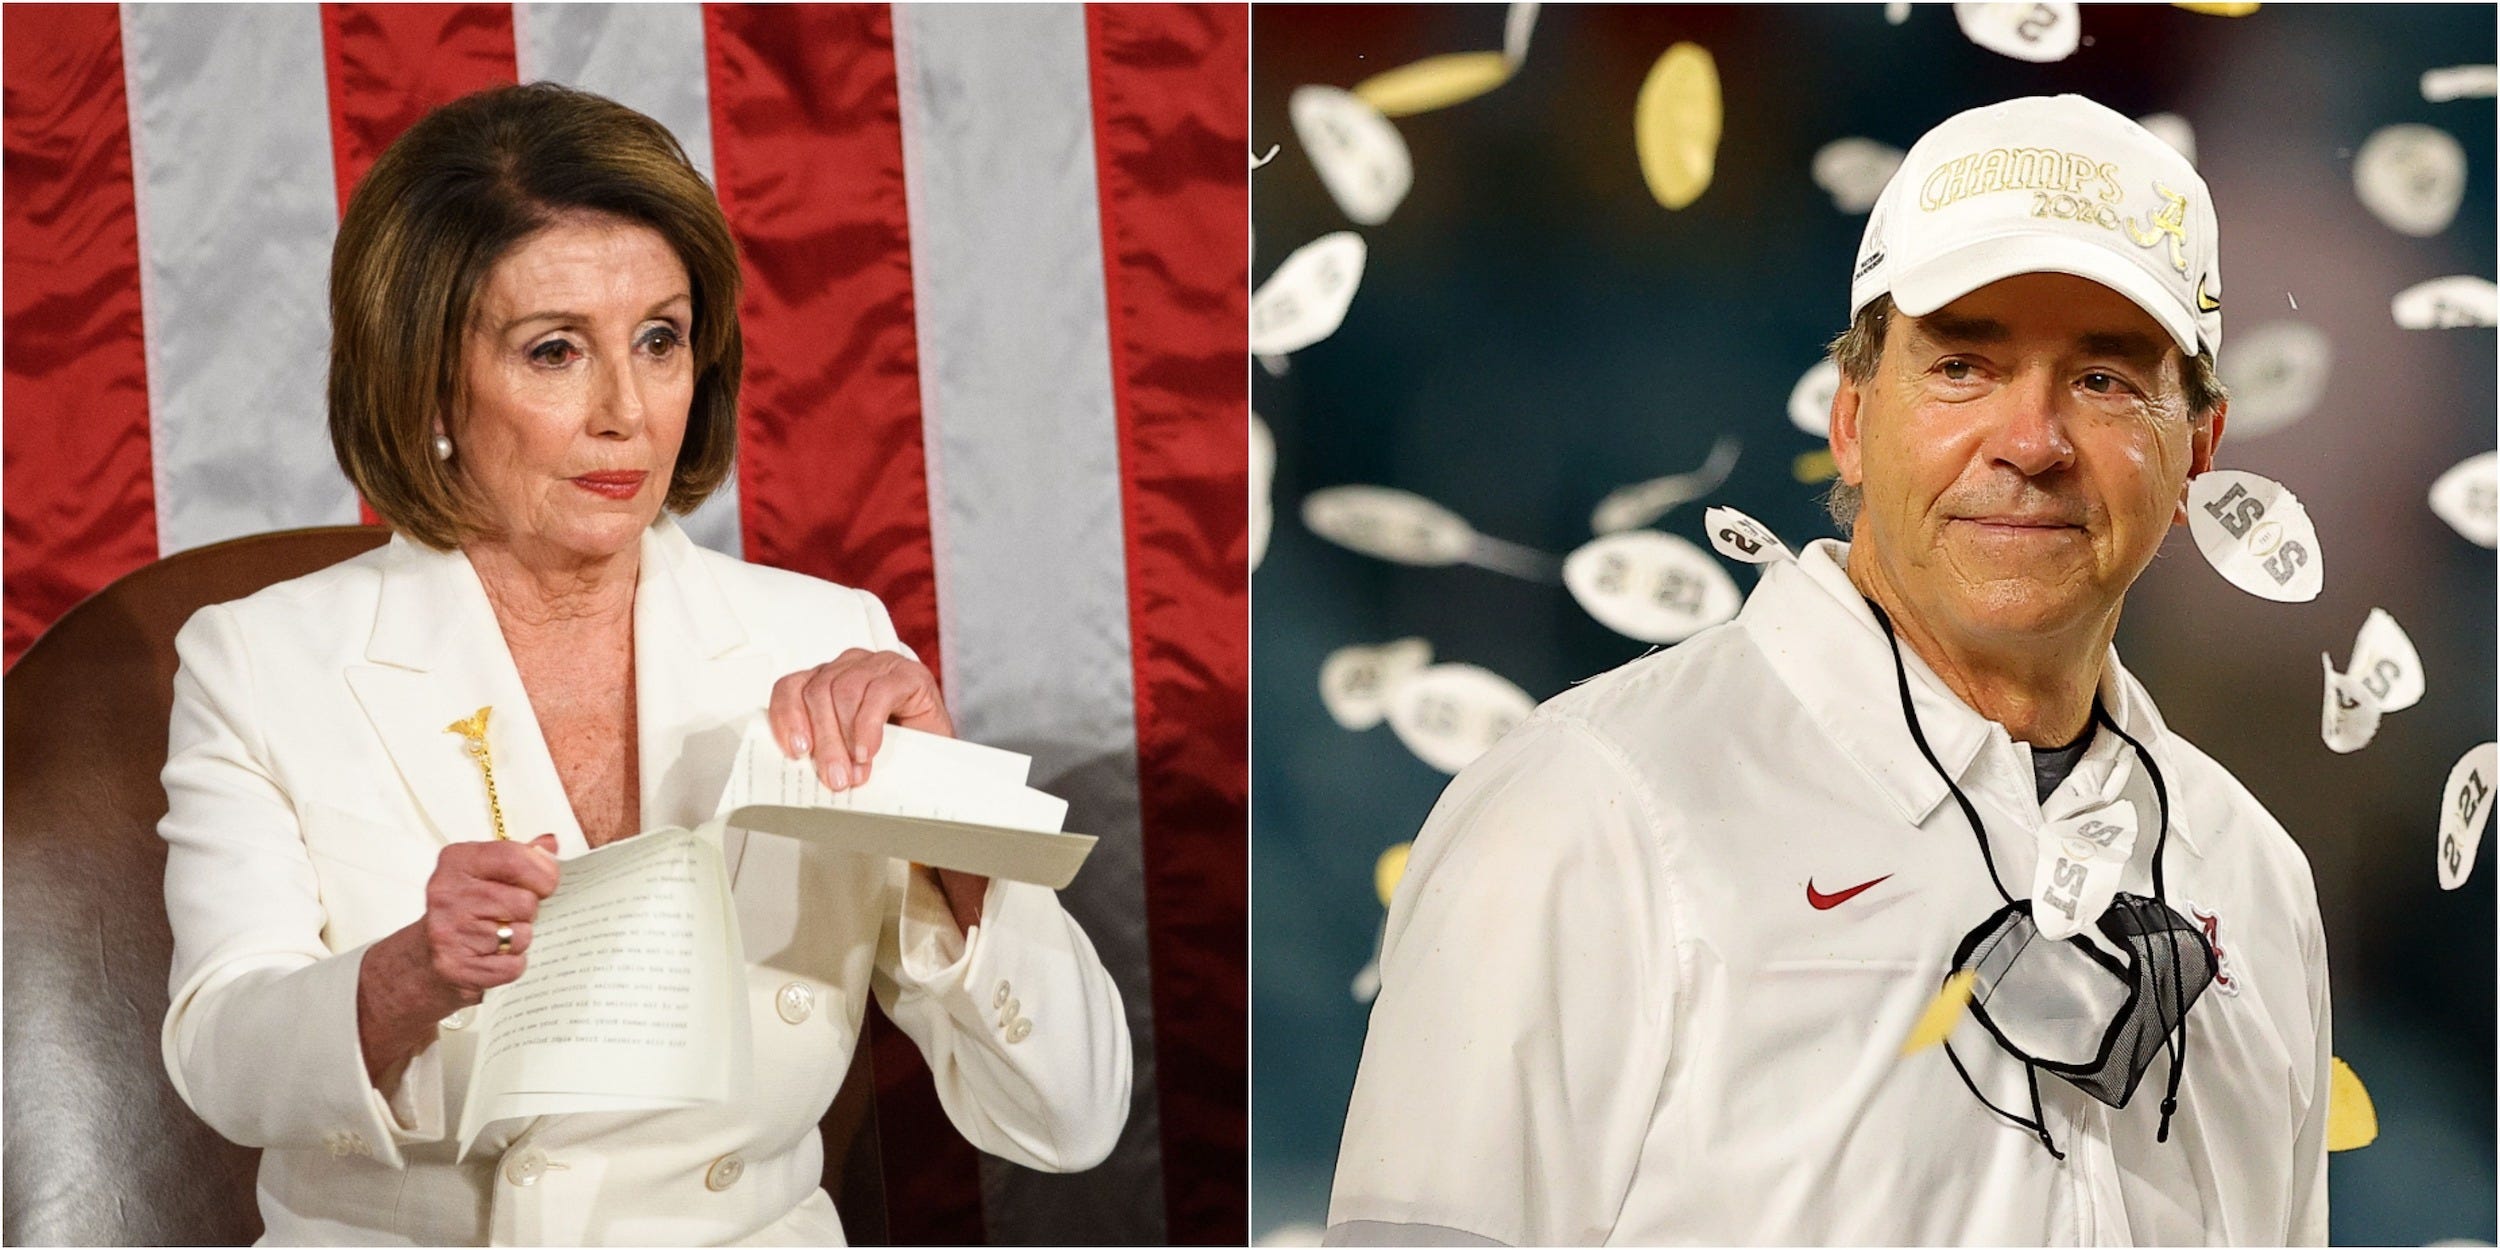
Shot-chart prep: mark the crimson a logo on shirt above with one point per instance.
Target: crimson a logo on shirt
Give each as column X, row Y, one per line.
column 2211, row 922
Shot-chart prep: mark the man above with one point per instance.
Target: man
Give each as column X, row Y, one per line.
column 1651, row 972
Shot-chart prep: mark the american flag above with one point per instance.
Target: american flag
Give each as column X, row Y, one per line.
column 995, row 296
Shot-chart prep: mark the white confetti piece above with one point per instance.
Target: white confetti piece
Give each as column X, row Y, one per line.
column 1631, row 507
column 2347, row 717
column 2174, row 130
column 2460, row 82
column 1651, row 586
column 2464, row 808
column 1675, row 125
column 2459, row 300
column 1740, row 537
column 1854, row 171
column 1361, row 157
column 1389, row 524
column 1517, row 26
column 2255, row 533
column 1810, row 400
column 2411, row 176
column 1305, row 300
column 2465, row 497
column 1449, row 714
column 1276, row 366
column 2081, row 858
column 2385, row 663
column 1260, row 162
column 2277, row 374
column 2025, row 32
column 1262, row 488
column 1355, row 683
column 1896, row 11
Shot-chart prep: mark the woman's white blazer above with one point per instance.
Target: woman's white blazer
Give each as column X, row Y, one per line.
column 311, row 783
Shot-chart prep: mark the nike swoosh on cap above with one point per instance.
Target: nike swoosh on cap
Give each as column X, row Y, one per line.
column 1825, row 902
column 2206, row 303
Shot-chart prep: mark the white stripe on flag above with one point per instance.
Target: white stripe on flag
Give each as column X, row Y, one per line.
column 650, row 58
column 1025, row 518
column 230, row 155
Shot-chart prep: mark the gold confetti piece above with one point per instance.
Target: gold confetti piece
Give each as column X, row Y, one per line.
column 1435, row 82
column 1675, row 125
column 2219, row 10
column 1814, row 466
column 1943, row 1012
column 1390, row 870
column 2351, row 1122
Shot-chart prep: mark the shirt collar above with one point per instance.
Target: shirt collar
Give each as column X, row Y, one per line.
column 1818, row 634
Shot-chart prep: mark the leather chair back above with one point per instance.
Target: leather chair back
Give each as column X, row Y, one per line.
column 99, row 1149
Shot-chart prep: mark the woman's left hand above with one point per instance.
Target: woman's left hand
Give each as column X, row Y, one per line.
column 837, row 712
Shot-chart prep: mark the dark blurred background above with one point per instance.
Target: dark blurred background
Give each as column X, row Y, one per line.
column 1533, row 330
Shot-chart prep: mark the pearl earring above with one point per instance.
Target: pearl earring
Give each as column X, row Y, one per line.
column 442, row 446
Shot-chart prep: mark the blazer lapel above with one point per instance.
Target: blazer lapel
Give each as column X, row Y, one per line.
column 700, row 677
column 436, row 657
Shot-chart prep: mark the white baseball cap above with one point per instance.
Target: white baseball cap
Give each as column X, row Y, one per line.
column 2046, row 184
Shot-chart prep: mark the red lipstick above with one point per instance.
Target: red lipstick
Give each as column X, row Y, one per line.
column 613, row 484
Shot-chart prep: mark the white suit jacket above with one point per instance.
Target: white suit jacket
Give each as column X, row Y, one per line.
column 1632, row 994
column 311, row 785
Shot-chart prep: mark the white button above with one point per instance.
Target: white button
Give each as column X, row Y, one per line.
column 1008, row 1013
column 724, row 1172
column 1018, row 1031
column 460, row 1019
column 795, row 1002
column 525, row 1168
column 999, row 999
column 337, row 1142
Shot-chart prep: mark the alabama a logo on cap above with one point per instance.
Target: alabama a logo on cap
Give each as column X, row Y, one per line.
column 2225, row 979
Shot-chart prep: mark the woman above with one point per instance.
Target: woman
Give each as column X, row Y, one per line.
column 536, row 358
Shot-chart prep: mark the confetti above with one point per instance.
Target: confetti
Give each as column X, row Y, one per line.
column 1390, row 869
column 2080, row 860
column 1262, row 488
column 2025, row 32
column 2255, row 533
column 1305, row 300
column 2459, row 300
column 2464, row 808
column 1642, row 503
column 1260, row 162
column 2464, row 497
column 2239, row 8
column 2460, row 82
column 2172, row 129
column 2277, row 374
column 1360, row 156
column 1854, row 171
column 1355, row 682
column 1407, row 528
column 2411, row 177
column 1896, row 11
column 1943, row 1012
column 1435, row 82
column 1651, row 586
column 2348, row 717
column 2351, row 1122
column 1451, row 713
column 1517, row 26
column 1675, row 125
column 2384, row 661
column 1810, row 400
column 1740, row 537
column 1814, row 466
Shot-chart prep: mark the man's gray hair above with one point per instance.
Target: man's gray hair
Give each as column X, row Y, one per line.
column 1860, row 348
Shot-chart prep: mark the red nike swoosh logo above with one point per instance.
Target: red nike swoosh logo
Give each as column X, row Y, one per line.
column 1825, row 902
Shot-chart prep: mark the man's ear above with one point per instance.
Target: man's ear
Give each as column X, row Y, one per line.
column 2204, row 438
column 1844, row 431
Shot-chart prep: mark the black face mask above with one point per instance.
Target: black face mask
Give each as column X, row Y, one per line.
column 2073, row 1008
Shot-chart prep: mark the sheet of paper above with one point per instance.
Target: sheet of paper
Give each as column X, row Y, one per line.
column 1043, row 858
column 633, row 998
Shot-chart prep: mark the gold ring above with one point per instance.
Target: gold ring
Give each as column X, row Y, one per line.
column 503, row 939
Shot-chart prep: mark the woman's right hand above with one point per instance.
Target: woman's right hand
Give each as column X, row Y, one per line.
column 447, row 959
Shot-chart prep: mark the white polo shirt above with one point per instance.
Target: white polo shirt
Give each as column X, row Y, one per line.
column 1619, row 1004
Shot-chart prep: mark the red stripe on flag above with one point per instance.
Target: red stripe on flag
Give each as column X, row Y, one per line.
column 390, row 64
column 1170, row 129
column 807, row 154
column 81, row 505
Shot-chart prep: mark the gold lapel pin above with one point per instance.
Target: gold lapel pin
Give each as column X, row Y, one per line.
column 474, row 730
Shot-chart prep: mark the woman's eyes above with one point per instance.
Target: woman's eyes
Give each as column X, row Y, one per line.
column 555, row 352
column 660, row 341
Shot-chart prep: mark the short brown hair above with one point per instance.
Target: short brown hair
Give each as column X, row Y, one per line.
column 453, row 195
column 1860, row 349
